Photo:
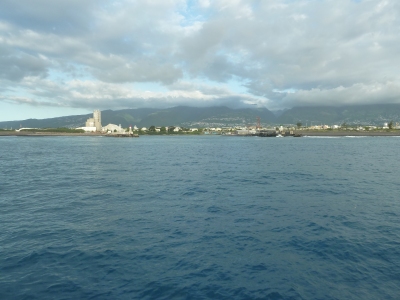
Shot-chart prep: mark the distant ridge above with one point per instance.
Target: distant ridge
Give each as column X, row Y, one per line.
column 374, row 114
column 223, row 116
column 145, row 117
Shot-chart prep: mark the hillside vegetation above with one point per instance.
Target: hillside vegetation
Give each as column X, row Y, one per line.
column 223, row 116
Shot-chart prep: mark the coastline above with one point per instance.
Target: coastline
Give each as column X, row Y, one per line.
column 340, row 133
column 332, row 133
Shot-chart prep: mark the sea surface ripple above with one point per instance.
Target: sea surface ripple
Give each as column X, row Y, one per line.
column 199, row 217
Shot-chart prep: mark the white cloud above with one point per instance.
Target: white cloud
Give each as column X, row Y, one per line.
column 204, row 3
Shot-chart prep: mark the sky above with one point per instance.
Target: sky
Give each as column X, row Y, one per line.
column 69, row 57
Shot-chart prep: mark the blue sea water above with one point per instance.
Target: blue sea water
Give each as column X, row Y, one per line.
column 199, row 217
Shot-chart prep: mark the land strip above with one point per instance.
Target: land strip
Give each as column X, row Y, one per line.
column 337, row 133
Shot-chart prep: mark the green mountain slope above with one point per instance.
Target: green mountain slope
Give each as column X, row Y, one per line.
column 126, row 117
column 175, row 116
column 207, row 116
column 356, row 114
column 68, row 121
column 221, row 116
column 308, row 115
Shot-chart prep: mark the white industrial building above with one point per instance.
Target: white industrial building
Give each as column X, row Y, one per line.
column 113, row 128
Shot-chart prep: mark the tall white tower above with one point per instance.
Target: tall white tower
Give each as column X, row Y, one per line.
column 97, row 119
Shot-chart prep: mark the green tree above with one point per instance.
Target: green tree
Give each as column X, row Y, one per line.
column 152, row 128
column 299, row 124
column 163, row 129
column 390, row 125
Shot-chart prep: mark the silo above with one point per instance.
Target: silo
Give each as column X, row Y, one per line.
column 97, row 120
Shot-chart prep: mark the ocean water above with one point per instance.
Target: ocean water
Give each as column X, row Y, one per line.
column 199, row 217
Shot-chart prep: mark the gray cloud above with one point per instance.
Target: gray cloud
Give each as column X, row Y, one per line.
column 369, row 94
column 61, row 16
column 15, row 66
column 29, row 101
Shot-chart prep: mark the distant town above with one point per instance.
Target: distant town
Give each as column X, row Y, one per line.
column 94, row 125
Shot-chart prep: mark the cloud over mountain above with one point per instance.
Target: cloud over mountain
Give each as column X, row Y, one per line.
column 277, row 53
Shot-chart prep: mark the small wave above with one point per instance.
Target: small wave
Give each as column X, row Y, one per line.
column 355, row 136
column 214, row 209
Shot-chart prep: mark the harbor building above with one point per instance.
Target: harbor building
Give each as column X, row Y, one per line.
column 110, row 128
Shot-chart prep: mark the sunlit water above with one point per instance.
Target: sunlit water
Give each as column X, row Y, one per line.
column 206, row 217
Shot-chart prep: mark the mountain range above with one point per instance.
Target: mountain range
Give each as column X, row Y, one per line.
column 223, row 116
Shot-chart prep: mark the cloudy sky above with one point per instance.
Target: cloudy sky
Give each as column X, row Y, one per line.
column 71, row 56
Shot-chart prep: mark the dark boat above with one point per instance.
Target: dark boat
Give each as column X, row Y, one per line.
column 267, row 133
